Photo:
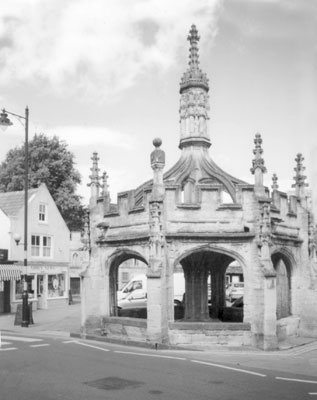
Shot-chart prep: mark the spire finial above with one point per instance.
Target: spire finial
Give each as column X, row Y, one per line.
column 258, row 161
column 299, row 178
column 105, row 185
column 94, row 177
column 193, row 77
column 193, row 40
column 274, row 180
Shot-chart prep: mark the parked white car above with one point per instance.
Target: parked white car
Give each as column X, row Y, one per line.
column 235, row 290
column 139, row 282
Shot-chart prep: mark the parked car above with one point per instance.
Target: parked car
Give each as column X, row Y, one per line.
column 139, row 282
column 135, row 306
column 235, row 290
column 234, row 313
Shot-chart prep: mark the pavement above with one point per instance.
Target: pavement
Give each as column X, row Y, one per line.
column 60, row 321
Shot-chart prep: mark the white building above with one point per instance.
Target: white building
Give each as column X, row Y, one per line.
column 47, row 254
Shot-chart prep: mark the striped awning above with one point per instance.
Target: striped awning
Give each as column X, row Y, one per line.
column 10, row 272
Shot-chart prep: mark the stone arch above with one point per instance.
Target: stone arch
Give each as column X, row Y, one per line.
column 113, row 263
column 217, row 249
column 283, row 263
column 199, row 265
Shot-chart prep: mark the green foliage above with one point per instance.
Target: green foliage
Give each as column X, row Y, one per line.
column 52, row 163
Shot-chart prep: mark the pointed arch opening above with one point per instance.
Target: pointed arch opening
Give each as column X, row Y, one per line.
column 283, row 267
column 206, row 280
column 127, row 284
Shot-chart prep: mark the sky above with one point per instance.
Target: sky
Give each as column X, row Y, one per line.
column 104, row 76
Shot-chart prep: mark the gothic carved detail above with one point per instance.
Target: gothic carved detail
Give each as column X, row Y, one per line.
column 258, row 161
column 156, row 241
column 193, row 111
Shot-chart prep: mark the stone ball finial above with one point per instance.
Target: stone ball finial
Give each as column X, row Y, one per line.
column 157, row 155
column 157, row 142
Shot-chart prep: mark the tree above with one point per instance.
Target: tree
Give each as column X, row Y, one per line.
column 52, row 163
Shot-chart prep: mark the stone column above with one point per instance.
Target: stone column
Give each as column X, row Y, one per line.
column 155, row 323
column 196, row 298
column 156, row 310
column 269, row 314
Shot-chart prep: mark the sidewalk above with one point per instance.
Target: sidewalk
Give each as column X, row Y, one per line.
column 61, row 320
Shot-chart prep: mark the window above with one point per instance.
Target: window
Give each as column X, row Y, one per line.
column 125, row 277
column 19, row 288
column 43, row 212
column 47, row 246
column 56, row 285
column 41, row 246
column 35, row 249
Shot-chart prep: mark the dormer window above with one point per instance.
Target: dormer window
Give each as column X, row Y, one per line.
column 43, row 212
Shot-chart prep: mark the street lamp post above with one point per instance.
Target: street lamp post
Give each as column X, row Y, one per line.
column 4, row 123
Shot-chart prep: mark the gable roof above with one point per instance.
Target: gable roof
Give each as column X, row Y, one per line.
column 12, row 202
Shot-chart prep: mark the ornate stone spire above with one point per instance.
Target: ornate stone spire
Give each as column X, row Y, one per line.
column 258, row 167
column 258, row 161
column 105, row 192
column 105, row 185
column 194, row 102
column 193, row 77
column 274, row 180
column 299, row 178
column 275, row 194
column 94, row 177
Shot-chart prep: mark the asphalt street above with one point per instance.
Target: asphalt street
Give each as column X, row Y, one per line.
column 45, row 367
column 44, row 362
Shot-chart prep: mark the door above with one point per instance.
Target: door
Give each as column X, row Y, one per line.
column 41, row 292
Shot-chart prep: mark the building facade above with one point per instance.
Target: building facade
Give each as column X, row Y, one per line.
column 197, row 216
column 79, row 259
column 48, row 248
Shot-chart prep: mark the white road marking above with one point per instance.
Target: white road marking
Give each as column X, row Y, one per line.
column 9, row 348
column 89, row 345
column 313, row 394
column 230, row 368
column 149, row 355
column 40, row 345
column 70, row 341
column 295, row 380
column 21, row 339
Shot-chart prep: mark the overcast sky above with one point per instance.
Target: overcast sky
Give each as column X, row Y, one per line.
column 104, row 76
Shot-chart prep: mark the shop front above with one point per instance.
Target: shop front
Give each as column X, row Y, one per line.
column 8, row 274
column 47, row 287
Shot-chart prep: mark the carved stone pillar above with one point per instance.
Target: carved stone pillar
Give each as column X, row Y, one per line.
column 196, row 298
column 269, row 312
column 217, row 292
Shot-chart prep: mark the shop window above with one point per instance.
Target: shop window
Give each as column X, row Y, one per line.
column 41, row 246
column 43, row 212
column 19, row 287
column 56, row 285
